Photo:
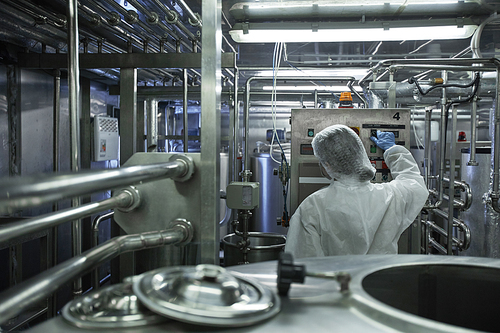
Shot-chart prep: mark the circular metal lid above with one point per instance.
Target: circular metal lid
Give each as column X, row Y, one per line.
column 113, row 306
column 207, row 295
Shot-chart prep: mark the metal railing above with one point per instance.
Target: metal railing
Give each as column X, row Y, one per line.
column 14, row 300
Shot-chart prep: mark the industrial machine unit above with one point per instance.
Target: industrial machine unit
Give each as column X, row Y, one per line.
column 306, row 176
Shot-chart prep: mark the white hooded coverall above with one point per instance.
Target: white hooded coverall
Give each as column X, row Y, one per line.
column 362, row 218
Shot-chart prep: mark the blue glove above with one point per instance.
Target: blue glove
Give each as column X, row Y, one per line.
column 384, row 140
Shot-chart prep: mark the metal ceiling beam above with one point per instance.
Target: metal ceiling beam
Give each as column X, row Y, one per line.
column 113, row 60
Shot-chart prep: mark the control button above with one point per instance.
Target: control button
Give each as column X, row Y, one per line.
column 373, row 133
column 310, row 132
column 384, row 166
column 373, row 149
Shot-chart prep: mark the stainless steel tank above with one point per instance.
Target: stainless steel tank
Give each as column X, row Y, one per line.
column 482, row 220
column 271, row 195
column 263, row 247
column 387, row 293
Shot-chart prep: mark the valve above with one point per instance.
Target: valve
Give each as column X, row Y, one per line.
column 288, row 273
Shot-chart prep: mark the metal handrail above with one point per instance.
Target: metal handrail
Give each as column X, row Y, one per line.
column 124, row 199
column 16, row 193
column 20, row 297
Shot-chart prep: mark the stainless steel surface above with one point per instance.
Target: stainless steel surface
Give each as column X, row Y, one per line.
column 123, row 199
column 210, row 135
column 115, row 306
column 128, row 113
column 482, row 220
column 384, row 297
column 262, row 247
column 207, row 295
column 32, row 191
column 495, row 194
column 270, row 195
column 16, row 299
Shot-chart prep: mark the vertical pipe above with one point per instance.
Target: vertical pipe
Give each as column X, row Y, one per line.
column 495, row 195
column 74, row 115
column 442, row 142
column 185, row 108
column 152, row 112
column 391, row 98
column 472, row 157
column 315, row 98
column 245, row 125
column 210, row 135
column 427, row 149
column 128, row 113
column 55, row 165
column 451, row 186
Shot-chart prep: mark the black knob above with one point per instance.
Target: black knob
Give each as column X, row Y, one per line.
column 288, row 273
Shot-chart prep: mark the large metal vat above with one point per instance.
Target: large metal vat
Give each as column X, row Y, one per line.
column 387, row 293
column 271, row 195
column 482, row 220
column 263, row 247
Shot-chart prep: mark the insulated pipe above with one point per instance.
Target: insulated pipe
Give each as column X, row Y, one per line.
column 16, row 193
column 473, row 134
column 185, row 109
column 246, row 111
column 20, row 297
column 125, row 198
column 95, row 241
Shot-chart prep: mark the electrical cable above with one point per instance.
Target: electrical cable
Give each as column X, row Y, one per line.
column 412, row 80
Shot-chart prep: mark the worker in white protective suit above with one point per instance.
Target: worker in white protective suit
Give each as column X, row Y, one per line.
column 353, row 215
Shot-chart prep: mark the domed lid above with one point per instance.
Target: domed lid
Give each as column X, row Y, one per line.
column 206, row 295
column 113, row 306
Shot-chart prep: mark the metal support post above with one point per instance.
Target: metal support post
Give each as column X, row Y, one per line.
column 210, row 133
column 128, row 113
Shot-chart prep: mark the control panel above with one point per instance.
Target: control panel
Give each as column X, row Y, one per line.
column 306, row 176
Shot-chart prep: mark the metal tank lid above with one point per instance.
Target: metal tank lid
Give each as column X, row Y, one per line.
column 206, row 295
column 110, row 307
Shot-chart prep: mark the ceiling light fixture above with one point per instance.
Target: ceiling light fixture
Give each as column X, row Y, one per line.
column 351, row 31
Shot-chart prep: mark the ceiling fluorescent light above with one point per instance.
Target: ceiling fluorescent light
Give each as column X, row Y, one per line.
column 302, row 33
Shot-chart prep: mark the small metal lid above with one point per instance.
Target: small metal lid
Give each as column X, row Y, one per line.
column 206, row 295
column 113, row 306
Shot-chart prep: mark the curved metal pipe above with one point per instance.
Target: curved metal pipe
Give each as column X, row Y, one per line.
column 476, row 38
column 22, row 296
column 95, row 241
column 32, row 191
column 124, row 199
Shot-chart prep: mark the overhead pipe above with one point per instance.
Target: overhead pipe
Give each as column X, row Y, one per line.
column 22, row 296
column 125, row 198
column 194, row 19
column 172, row 17
column 42, row 15
column 16, row 193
